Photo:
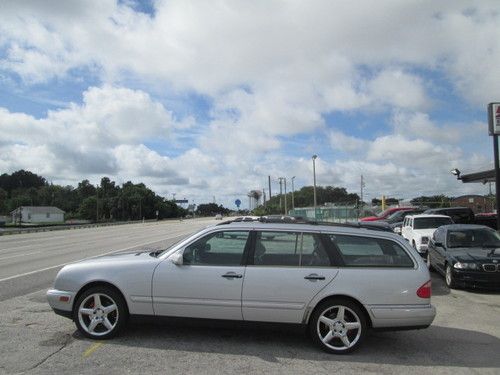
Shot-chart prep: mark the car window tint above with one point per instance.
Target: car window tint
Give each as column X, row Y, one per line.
column 277, row 249
column 359, row 251
column 220, row 248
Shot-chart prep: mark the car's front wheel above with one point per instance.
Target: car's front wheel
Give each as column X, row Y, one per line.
column 100, row 312
column 449, row 278
column 338, row 326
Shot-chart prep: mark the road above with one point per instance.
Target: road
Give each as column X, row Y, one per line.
column 29, row 262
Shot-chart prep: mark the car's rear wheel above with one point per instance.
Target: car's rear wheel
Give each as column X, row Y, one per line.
column 338, row 326
column 449, row 279
column 100, row 313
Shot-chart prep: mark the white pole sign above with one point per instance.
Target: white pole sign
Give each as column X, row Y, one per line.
column 494, row 118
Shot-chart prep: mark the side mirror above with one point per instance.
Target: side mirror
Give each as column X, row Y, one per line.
column 397, row 230
column 177, row 258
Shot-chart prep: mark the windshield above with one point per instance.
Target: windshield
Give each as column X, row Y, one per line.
column 179, row 240
column 431, row 222
column 473, row 238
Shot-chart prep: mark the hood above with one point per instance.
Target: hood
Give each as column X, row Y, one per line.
column 477, row 254
column 118, row 257
column 371, row 218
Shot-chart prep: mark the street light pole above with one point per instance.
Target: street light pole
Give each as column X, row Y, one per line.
column 314, row 181
column 293, row 199
column 280, row 179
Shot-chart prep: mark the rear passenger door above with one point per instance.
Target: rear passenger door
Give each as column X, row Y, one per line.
column 284, row 272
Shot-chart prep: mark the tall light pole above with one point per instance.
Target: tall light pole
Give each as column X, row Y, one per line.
column 314, row 181
column 293, row 199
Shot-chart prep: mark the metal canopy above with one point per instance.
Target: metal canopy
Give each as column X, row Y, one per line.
column 484, row 177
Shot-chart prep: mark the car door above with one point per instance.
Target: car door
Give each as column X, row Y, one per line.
column 284, row 272
column 208, row 283
column 439, row 253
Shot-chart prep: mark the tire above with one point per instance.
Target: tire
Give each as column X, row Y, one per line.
column 338, row 326
column 100, row 313
column 449, row 278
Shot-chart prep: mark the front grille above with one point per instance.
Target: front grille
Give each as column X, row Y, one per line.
column 490, row 267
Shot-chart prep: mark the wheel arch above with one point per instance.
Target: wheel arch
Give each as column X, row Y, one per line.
column 96, row 283
column 340, row 296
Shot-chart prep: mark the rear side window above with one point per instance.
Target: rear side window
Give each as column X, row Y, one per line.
column 294, row 249
column 359, row 251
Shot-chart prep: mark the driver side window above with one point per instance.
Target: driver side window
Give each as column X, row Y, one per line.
column 217, row 249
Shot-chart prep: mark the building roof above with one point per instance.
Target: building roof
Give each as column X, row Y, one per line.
column 41, row 209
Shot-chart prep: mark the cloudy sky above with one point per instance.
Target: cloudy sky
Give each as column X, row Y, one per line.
column 207, row 98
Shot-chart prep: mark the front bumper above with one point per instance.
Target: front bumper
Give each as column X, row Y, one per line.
column 61, row 301
column 477, row 279
column 401, row 316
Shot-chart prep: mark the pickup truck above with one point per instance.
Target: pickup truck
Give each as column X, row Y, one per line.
column 418, row 229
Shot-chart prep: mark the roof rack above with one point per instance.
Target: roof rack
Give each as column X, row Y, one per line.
column 284, row 219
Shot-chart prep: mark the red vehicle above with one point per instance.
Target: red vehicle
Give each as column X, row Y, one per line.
column 385, row 214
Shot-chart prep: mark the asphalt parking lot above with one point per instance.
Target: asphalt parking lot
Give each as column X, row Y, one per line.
column 464, row 338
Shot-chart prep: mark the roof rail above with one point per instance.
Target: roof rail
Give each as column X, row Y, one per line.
column 284, row 219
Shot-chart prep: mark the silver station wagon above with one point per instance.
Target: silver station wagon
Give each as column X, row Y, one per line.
column 338, row 280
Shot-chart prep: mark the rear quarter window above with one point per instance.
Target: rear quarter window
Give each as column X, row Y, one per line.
column 358, row 251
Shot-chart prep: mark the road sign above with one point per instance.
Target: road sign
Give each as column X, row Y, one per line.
column 237, row 202
column 494, row 118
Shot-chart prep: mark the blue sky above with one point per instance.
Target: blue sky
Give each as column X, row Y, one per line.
column 206, row 99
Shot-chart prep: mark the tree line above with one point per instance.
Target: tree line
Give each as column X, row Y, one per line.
column 107, row 201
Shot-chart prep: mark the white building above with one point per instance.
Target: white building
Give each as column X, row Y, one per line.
column 41, row 214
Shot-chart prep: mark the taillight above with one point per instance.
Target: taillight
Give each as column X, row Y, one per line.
column 425, row 290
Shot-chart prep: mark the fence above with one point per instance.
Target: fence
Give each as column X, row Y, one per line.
column 336, row 214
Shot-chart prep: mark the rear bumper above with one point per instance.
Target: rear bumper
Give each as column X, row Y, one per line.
column 401, row 317
column 61, row 301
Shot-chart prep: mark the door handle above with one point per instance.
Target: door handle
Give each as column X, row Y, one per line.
column 232, row 275
column 314, row 276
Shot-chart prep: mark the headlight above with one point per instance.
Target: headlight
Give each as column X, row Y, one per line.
column 465, row 266
column 424, row 240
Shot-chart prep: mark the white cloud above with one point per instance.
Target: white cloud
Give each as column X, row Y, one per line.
column 343, row 142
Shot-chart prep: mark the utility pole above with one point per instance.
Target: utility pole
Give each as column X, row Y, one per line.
column 264, row 197
column 293, row 198
column 97, row 204
column 314, row 157
column 286, row 207
column 269, row 183
column 280, row 179
column 361, row 197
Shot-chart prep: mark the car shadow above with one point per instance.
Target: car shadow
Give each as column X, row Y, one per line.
column 434, row 346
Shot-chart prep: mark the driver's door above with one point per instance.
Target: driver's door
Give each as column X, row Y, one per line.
column 209, row 282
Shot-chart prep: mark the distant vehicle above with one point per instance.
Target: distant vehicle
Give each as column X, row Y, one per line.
column 337, row 281
column 398, row 216
column 459, row 215
column 395, row 220
column 488, row 219
column 385, row 214
column 218, row 217
column 466, row 255
column 418, row 229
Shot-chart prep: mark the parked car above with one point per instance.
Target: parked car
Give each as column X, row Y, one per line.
column 417, row 229
column 488, row 219
column 459, row 215
column 385, row 214
column 395, row 220
column 339, row 281
column 466, row 255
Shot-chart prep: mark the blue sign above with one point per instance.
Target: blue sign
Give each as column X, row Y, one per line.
column 237, row 202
